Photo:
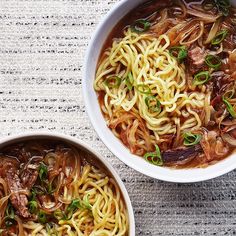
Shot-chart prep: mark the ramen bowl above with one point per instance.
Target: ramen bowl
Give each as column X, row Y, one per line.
column 90, row 155
column 106, row 135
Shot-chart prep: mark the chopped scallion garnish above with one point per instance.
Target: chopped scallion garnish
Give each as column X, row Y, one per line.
column 59, row 215
column 223, row 6
column 140, row 26
column 219, row 37
column 213, row 61
column 179, row 52
column 42, row 217
column 86, row 203
column 154, row 158
column 202, row 78
column 43, row 171
column 33, row 206
column 153, row 104
column 129, row 81
column 113, row 82
column 10, row 211
column 143, row 88
column 191, row 139
column 226, row 97
column 51, row 229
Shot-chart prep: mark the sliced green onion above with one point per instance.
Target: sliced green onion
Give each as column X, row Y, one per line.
column 51, row 188
column 213, row 61
column 228, row 95
column 230, row 108
column 113, row 82
column 33, row 194
column 43, row 172
column 143, row 88
column 140, row 26
column 33, row 206
column 191, row 139
column 74, row 205
column 179, row 52
column 223, row 6
column 129, row 81
column 10, row 211
column 219, row 37
column 51, row 229
column 202, row 78
column 42, row 217
column 86, row 203
column 153, row 104
column 154, row 158
column 59, row 215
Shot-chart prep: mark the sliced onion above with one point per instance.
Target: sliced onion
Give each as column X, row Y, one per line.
column 228, row 122
column 229, row 139
column 207, row 18
column 52, row 209
column 183, row 7
column 213, row 31
column 189, row 32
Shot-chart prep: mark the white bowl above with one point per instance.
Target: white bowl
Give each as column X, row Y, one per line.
column 80, row 145
column 98, row 121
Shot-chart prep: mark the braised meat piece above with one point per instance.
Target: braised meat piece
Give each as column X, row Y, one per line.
column 29, row 176
column 181, row 156
column 196, row 58
column 9, row 171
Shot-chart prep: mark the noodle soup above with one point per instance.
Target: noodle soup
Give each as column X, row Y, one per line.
column 166, row 82
column 53, row 188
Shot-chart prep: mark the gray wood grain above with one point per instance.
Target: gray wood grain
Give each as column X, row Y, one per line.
column 42, row 47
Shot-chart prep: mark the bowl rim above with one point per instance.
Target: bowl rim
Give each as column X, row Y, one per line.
column 78, row 143
column 89, row 109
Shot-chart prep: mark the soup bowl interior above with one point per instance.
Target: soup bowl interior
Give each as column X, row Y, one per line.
column 99, row 123
column 90, row 155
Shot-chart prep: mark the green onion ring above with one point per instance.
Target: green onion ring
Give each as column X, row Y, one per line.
column 202, row 78
column 191, row 139
column 129, row 81
column 226, row 97
column 219, row 37
column 113, row 82
column 140, row 26
column 154, row 158
column 156, row 107
column 179, row 52
column 143, row 88
column 213, row 61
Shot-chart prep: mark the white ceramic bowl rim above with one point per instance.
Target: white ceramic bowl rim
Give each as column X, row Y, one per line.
column 77, row 143
column 99, row 124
